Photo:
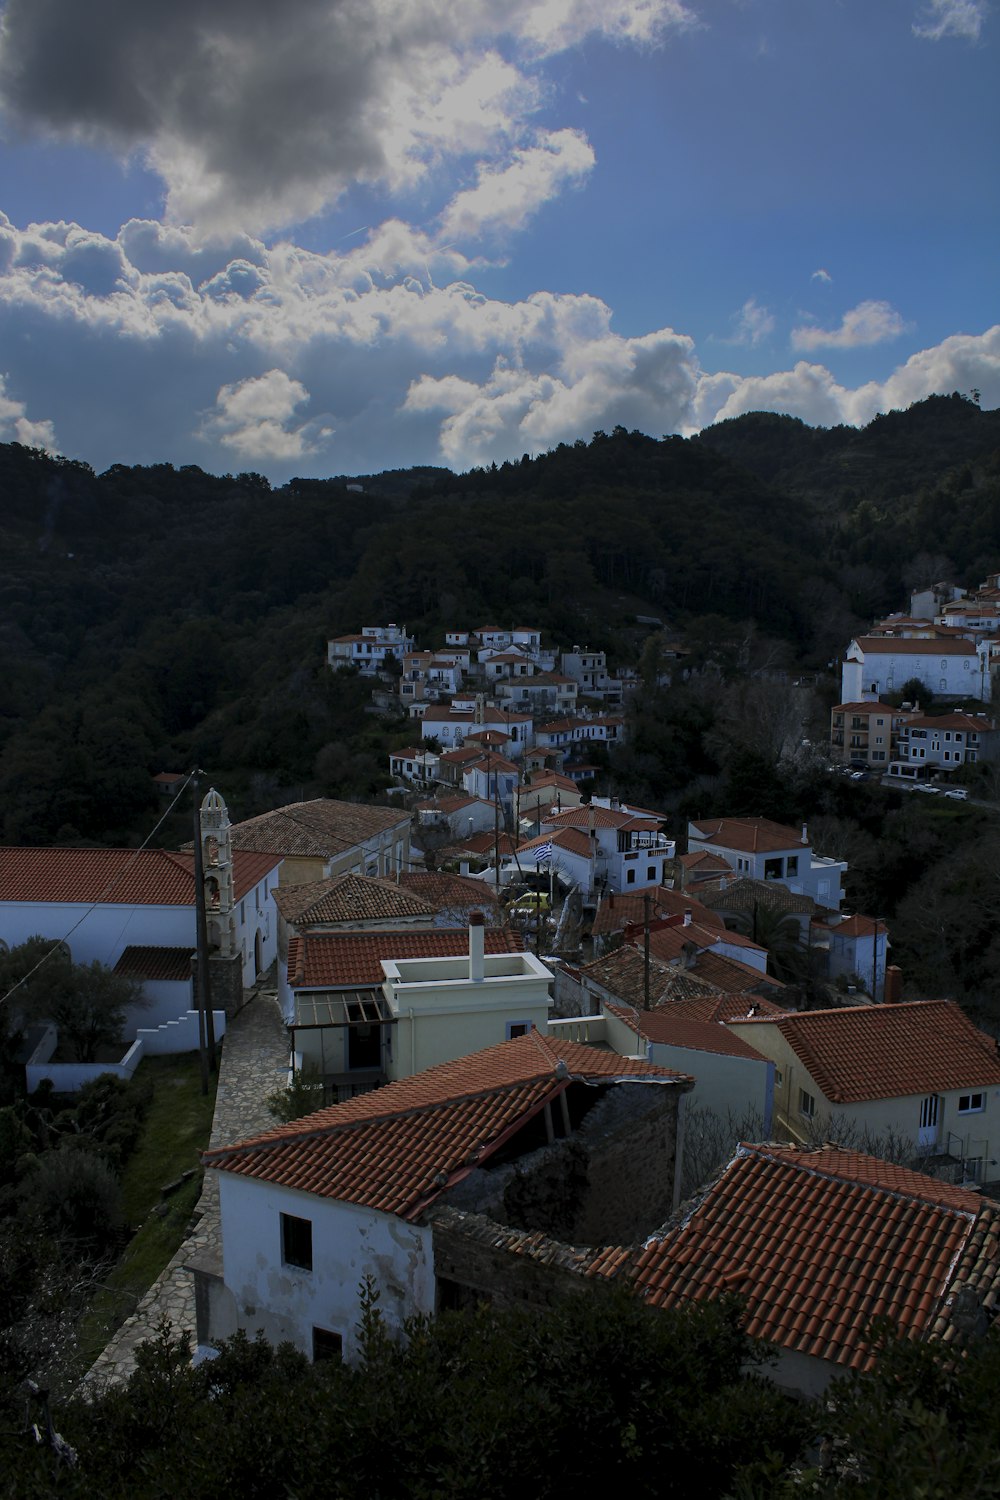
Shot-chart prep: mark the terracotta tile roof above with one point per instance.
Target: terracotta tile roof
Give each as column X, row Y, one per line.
column 936, row 645
column 349, row 898
column 622, row 975
column 818, row 1243
column 442, row 889
column 617, row 911
column 339, row 960
column 744, row 894
column 889, row 1051
column 447, row 804
column 752, row 835
column 703, row 859
column 970, row 722
column 398, row 1148
column 127, row 877
column 871, row 707
column 322, row 828
column 483, row 843
column 731, row 1007
column 732, row 976
column 669, row 944
column 666, row 1027
column 570, row 839
column 852, row 927
column 155, row 963
column 588, row 816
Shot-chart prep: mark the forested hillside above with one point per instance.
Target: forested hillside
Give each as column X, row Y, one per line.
column 152, row 617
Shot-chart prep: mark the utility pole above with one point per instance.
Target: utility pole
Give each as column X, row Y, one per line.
column 647, row 902
column 206, row 1021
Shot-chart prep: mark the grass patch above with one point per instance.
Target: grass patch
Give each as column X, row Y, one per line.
column 177, row 1127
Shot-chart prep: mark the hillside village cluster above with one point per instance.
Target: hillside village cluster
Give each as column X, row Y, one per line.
column 503, row 1124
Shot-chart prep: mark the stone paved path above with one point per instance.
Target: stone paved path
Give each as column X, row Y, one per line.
column 254, row 1063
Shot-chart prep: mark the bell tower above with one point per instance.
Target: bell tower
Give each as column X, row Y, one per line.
column 217, row 864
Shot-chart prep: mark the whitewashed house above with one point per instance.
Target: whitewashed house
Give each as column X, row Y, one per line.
column 764, row 850
column 948, row 667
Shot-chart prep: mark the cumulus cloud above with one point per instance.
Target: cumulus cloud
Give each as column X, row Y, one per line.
column 945, row 18
column 17, row 427
column 251, row 417
column 507, row 197
column 821, row 275
column 259, row 115
column 754, row 323
column 868, row 323
column 381, row 355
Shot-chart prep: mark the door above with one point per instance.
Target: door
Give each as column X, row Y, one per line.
column 929, row 1114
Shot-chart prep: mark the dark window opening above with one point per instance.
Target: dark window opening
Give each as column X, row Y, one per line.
column 327, row 1345
column 364, row 1046
column 296, row 1242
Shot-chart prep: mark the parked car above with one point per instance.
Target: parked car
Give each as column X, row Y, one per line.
column 926, row 787
column 959, row 793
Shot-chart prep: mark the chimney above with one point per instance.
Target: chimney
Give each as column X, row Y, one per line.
column 687, row 916
column 892, row 991
column 805, row 833
column 611, row 900
column 477, row 944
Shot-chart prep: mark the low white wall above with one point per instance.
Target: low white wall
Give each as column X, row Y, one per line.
column 168, row 1000
column 180, row 1035
column 69, row 1078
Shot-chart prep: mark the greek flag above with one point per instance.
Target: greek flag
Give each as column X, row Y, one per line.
column 543, row 851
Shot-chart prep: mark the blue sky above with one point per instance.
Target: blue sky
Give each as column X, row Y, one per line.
column 346, row 235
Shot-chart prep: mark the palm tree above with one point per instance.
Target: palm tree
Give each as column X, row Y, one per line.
column 779, row 932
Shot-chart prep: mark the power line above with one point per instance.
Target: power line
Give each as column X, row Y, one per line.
column 115, row 880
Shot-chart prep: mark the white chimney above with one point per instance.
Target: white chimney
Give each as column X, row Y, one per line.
column 805, row 833
column 687, row 916
column 477, row 944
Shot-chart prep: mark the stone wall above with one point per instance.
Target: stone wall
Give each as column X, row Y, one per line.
column 477, row 1260
column 610, row 1181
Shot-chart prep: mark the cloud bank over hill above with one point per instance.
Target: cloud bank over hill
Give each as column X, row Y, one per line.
column 212, row 335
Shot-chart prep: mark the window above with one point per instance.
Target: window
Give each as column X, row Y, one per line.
column 792, row 865
column 630, row 877
column 807, row 1104
column 779, row 1078
column 517, row 1028
column 971, row 1104
column 327, row 1345
column 296, row 1242
column 650, row 872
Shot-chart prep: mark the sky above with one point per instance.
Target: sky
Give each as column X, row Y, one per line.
column 342, row 236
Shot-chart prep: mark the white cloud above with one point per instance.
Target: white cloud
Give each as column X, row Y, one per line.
column 868, row 323
column 507, row 197
column 230, row 353
column 945, row 18
column 251, row 417
column 821, row 275
column 259, row 115
column 754, row 323
column 17, row 427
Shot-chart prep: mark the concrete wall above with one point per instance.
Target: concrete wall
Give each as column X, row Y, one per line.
column 104, row 933
column 284, row 1302
column 180, row 1035
column 69, row 1078
column 168, row 999
column 722, row 1082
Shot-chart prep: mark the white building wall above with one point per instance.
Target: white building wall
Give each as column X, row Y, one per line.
column 104, row 933
column 286, row 1303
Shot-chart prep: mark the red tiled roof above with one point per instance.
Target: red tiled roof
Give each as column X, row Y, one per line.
column 155, row 963
column 570, row 839
column 669, row 943
column 120, row 877
column 668, row 1028
column 732, row 976
column 617, row 912
column 703, row 859
column 889, row 1051
column 970, row 722
column 936, row 645
column 349, row 898
column 398, row 1148
column 339, row 960
column 753, row 835
column 321, row 828
column 853, row 927
column 729, row 1007
column 817, row 1244
column 442, row 889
